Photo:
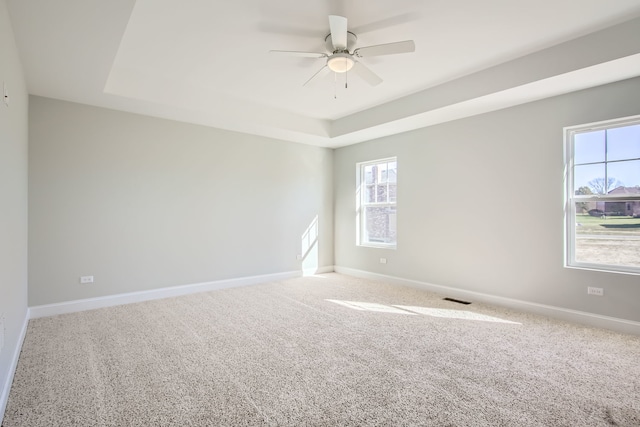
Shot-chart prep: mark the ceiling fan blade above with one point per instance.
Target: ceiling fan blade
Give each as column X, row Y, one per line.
column 367, row 75
column 300, row 54
column 319, row 74
column 385, row 49
column 338, row 26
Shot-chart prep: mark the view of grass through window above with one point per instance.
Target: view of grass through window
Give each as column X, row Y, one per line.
column 613, row 240
column 604, row 228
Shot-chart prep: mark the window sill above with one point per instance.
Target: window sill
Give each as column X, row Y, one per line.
column 377, row 246
column 600, row 268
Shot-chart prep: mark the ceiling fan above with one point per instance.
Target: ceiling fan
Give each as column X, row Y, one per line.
column 341, row 57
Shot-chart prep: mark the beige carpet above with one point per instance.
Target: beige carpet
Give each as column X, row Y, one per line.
column 321, row 351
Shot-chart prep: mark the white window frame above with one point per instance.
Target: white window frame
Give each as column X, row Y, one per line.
column 361, row 204
column 571, row 198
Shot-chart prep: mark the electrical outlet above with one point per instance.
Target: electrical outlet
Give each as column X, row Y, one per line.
column 86, row 279
column 298, row 257
column 383, row 260
column 595, row 291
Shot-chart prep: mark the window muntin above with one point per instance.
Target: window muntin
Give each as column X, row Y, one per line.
column 376, row 202
column 603, row 196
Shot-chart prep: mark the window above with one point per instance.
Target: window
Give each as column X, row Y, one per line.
column 376, row 203
column 603, row 196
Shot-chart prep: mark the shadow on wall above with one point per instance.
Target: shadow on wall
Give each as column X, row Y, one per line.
column 309, row 249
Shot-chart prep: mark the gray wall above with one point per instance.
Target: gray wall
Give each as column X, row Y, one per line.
column 142, row 203
column 480, row 204
column 13, row 199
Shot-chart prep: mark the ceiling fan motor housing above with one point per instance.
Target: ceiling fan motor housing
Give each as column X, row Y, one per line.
column 351, row 42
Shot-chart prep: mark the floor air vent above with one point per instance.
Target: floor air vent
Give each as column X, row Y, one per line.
column 457, row 300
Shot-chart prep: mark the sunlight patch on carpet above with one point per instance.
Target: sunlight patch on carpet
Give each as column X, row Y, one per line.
column 413, row 310
column 454, row 314
column 370, row 306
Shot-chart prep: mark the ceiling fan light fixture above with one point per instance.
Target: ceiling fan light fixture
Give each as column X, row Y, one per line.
column 340, row 62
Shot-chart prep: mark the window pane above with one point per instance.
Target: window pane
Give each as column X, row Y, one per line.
column 393, row 172
column 626, row 175
column 393, row 188
column 370, row 194
column 623, row 143
column 381, row 192
column 369, row 174
column 380, row 225
column 382, row 172
column 589, row 147
column 608, row 239
column 589, row 179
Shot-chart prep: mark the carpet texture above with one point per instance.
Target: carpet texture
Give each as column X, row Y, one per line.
column 327, row 350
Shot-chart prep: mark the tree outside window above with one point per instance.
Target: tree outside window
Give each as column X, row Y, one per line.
column 603, row 196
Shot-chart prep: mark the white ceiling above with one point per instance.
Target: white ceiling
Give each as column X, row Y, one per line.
column 208, row 61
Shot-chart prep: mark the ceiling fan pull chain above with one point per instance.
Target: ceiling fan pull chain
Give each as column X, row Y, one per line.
column 335, row 84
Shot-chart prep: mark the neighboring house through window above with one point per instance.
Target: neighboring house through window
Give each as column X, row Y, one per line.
column 603, row 195
column 376, row 203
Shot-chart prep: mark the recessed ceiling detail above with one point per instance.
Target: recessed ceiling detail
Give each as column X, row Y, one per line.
column 208, row 63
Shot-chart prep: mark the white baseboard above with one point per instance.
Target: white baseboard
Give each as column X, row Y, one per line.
column 4, row 396
column 133, row 297
column 582, row 317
